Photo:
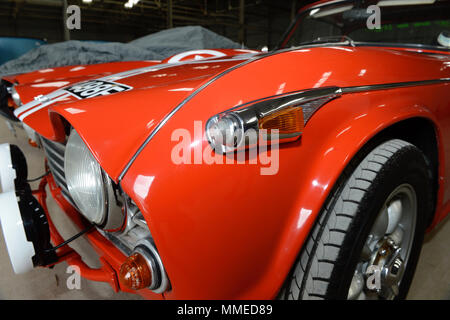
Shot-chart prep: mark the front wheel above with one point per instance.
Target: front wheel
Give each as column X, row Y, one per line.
column 367, row 240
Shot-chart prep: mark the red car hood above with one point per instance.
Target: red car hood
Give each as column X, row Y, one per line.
column 114, row 126
column 45, row 81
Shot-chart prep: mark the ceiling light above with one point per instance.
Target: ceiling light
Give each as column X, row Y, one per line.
column 130, row 3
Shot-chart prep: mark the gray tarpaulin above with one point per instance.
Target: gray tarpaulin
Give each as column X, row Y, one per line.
column 156, row 46
column 176, row 40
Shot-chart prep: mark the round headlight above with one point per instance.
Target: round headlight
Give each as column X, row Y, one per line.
column 15, row 96
column 85, row 180
column 225, row 133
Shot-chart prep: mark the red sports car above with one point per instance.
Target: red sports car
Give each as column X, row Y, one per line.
column 308, row 172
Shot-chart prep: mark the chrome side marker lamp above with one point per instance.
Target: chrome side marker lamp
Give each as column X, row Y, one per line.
column 287, row 114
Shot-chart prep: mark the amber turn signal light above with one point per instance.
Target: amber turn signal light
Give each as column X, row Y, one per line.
column 11, row 102
column 287, row 121
column 135, row 272
column 32, row 143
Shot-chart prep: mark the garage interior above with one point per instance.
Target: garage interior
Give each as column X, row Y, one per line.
column 253, row 23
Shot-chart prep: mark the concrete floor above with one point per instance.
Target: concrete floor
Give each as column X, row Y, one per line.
column 432, row 279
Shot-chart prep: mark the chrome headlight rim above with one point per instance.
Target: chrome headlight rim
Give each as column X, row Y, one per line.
column 105, row 180
column 116, row 213
column 80, row 169
column 87, row 182
column 219, row 138
column 15, row 96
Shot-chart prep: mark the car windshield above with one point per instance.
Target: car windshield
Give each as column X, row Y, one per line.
column 399, row 22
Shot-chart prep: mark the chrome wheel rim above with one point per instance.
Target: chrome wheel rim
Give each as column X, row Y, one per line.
column 384, row 258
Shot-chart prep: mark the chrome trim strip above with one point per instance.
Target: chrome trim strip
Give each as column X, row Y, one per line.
column 303, row 95
column 118, row 243
column 54, row 162
column 386, row 86
column 60, row 148
column 55, row 159
column 53, row 152
column 56, row 174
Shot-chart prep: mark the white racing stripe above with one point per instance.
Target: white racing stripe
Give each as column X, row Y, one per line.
column 36, row 102
column 26, row 114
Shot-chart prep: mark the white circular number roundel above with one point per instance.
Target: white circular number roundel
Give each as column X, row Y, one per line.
column 196, row 55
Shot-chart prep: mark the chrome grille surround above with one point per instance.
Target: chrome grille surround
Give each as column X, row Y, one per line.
column 54, row 151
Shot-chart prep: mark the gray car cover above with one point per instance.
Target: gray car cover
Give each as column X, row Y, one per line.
column 156, row 46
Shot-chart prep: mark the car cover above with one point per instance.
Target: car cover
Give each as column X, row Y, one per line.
column 156, row 46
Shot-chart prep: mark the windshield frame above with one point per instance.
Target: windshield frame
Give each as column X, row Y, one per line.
column 286, row 37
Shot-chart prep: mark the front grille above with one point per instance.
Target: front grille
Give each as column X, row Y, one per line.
column 54, row 152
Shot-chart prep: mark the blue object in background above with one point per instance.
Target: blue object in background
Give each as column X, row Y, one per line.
column 12, row 48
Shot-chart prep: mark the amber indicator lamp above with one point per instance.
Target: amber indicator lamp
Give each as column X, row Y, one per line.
column 287, row 121
column 135, row 272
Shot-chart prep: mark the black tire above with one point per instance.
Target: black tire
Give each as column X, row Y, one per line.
column 325, row 266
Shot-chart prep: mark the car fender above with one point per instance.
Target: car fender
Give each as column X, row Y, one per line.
column 208, row 224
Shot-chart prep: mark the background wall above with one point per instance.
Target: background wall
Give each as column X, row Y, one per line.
column 255, row 23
